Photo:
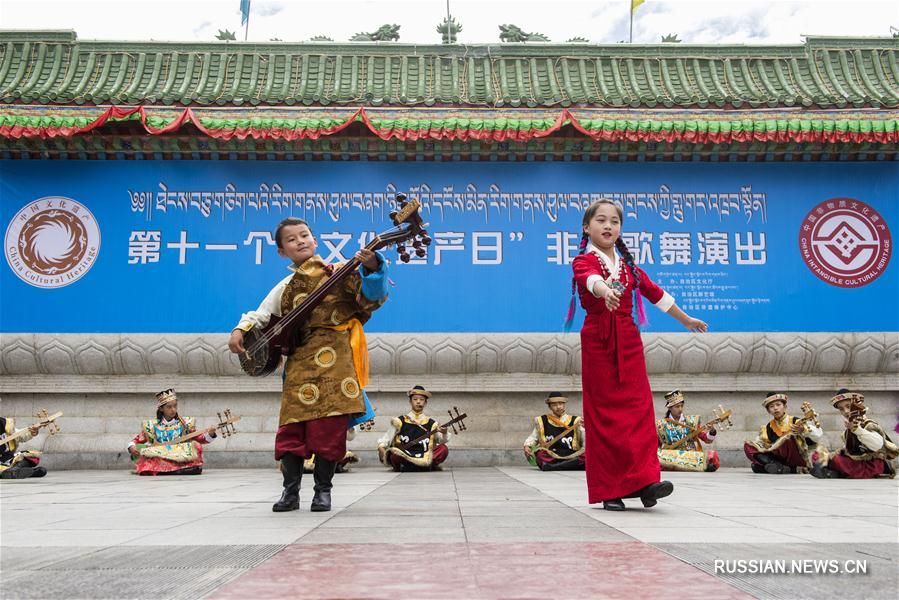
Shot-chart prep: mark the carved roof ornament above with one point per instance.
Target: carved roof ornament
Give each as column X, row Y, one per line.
column 514, row 33
column 449, row 30
column 384, row 33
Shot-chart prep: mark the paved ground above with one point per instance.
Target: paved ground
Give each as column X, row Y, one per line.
column 461, row 533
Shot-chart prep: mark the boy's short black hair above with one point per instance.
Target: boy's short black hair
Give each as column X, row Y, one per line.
column 287, row 223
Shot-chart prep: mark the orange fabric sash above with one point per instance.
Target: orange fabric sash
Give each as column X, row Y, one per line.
column 775, row 426
column 360, row 348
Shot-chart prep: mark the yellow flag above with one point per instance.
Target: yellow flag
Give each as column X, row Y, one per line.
column 635, row 4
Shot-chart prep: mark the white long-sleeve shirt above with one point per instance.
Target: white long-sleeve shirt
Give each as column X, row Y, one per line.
column 386, row 440
column 24, row 437
column 871, row 440
column 812, row 431
column 270, row 305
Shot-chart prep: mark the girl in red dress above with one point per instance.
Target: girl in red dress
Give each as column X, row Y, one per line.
column 618, row 411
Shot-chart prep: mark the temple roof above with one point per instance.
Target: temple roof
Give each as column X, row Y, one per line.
column 56, row 68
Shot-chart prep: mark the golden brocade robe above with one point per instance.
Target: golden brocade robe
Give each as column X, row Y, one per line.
column 153, row 431
column 687, row 457
column 322, row 376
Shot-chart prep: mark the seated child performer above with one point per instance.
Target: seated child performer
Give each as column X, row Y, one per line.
column 867, row 450
column 786, row 444
column 675, row 455
column 567, row 452
column 185, row 458
column 427, row 454
column 18, row 464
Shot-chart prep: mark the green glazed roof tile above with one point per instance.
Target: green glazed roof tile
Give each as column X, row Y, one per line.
column 48, row 67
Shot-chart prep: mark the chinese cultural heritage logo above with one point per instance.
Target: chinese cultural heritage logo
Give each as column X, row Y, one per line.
column 845, row 242
column 52, row 242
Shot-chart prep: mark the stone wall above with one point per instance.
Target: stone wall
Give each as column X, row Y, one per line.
column 105, row 385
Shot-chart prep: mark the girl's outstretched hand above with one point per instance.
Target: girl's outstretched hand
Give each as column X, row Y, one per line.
column 612, row 298
column 696, row 325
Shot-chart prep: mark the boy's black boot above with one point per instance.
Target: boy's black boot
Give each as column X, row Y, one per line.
column 323, row 474
column 292, row 470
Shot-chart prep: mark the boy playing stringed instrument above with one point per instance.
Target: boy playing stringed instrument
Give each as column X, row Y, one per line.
column 557, row 441
column 867, row 450
column 22, row 464
column 425, row 455
column 681, row 437
column 786, row 444
column 185, row 458
column 327, row 369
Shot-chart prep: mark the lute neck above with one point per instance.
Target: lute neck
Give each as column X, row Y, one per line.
column 428, row 434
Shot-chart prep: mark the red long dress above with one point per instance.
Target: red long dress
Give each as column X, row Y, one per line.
column 618, row 412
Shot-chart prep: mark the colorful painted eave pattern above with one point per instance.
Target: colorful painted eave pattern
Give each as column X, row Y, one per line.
column 55, row 68
column 496, row 125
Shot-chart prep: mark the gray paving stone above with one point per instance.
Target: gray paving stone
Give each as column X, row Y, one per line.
column 106, row 534
column 881, row 563
column 119, row 572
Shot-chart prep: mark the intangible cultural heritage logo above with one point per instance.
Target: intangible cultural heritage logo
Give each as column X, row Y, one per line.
column 52, row 242
column 845, row 242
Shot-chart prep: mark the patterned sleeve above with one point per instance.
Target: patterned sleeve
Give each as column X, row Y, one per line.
column 140, row 438
column 660, row 432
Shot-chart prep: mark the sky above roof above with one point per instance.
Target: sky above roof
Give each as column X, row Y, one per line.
column 694, row 21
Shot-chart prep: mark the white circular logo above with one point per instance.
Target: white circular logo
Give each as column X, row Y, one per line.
column 52, row 242
column 845, row 242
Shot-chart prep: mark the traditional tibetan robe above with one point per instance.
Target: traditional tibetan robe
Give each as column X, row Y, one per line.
column 168, row 458
column 688, row 456
column 325, row 376
column 569, row 447
column 10, row 456
column 321, row 378
column 797, row 452
column 621, row 436
column 425, row 455
column 867, row 452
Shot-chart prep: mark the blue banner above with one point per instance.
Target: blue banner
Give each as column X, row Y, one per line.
column 187, row 246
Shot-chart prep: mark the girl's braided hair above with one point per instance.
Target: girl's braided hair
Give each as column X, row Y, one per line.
column 622, row 248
